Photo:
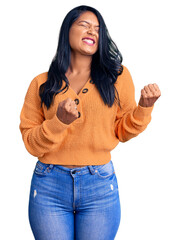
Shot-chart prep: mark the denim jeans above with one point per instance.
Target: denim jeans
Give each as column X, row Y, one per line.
column 74, row 203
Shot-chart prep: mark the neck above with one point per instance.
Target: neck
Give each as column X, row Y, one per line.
column 80, row 64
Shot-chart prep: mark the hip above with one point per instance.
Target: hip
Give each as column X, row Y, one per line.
column 76, row 187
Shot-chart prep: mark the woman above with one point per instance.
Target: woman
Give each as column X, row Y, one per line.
column 72, row 117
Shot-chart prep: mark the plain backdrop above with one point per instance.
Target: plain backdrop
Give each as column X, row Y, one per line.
column 147, row 167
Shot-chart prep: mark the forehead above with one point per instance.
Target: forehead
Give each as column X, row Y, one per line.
column 88, row 16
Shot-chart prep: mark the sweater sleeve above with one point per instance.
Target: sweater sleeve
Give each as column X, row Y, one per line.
column 40, row 135
column 131, row 119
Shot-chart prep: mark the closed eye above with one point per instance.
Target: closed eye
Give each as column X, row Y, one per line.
column 97, row 29
column 83, row 25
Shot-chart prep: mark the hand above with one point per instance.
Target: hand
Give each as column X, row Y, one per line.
column 149, row 95
column 67, row 111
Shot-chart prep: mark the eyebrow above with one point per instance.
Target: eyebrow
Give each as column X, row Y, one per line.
column 88, row 23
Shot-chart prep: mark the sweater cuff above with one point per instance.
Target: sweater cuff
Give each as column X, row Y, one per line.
column 55, row 126
column 142, row 113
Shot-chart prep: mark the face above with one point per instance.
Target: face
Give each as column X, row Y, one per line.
column 84, row 34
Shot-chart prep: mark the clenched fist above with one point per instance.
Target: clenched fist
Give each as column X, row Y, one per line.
column 67, row 111
column 149, row 95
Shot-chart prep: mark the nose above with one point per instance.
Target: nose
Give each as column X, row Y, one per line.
column 91, row 30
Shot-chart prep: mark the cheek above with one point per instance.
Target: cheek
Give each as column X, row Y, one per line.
column 74, row 37
column 97, row 43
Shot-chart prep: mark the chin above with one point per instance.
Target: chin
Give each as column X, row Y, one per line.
column 89, row 52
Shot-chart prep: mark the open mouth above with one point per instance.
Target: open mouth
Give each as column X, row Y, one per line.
column 90, row 42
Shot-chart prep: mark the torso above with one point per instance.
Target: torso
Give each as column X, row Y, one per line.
column 76, row 83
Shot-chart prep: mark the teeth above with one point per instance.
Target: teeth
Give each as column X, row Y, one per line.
column 88, row 40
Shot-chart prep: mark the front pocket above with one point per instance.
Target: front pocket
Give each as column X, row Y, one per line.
column 106, row 170
column 42, row 168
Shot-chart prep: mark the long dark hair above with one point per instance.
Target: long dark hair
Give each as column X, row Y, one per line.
column 105, row 65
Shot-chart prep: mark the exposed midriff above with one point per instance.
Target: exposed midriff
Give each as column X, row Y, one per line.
column 73, row 166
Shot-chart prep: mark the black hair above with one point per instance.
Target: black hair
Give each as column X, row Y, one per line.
column 105, row 65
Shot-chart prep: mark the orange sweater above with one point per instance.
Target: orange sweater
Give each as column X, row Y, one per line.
column 90, row 138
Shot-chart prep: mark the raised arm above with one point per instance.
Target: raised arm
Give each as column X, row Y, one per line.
column 133, row 119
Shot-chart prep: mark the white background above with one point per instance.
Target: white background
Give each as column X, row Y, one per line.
column 147, row 167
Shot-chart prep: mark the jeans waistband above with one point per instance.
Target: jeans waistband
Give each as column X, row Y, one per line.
column 80, row 170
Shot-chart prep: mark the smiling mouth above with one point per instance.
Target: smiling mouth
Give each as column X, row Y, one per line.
column 88, row 42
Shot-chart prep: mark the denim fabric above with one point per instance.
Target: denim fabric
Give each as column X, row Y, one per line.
column 74, row 203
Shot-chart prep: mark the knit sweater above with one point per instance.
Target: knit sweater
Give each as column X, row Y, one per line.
column 89, row 139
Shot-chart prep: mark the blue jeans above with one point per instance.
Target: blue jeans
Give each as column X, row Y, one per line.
column 74, row 203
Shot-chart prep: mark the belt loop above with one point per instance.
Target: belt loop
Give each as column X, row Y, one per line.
column 91, row 169
column 51, row 166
